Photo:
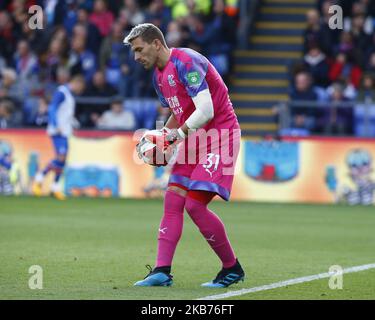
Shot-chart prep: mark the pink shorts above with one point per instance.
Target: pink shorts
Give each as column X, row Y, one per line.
column 207, row 165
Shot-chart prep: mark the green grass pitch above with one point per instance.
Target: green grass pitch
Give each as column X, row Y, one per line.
column 97, row 249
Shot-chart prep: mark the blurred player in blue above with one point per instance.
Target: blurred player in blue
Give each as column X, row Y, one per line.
column 60, row 128
column 5, row 168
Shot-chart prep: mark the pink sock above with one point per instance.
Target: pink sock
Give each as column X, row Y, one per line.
column 170, row 229
column 212, row 228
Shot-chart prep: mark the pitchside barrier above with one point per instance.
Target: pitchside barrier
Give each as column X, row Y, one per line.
column 325, row 117
column 295, row 169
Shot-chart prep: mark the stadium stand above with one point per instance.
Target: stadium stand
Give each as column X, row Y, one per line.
column 261, row 76
column 293, row 37
column 86, row 36
column 338, row 61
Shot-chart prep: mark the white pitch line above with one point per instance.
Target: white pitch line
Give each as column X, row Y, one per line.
column 287, row 283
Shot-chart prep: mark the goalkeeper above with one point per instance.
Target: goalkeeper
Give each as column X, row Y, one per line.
column 190, row 86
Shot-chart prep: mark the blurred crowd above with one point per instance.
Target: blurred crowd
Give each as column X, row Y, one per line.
column 86, row 37
column 338, row 67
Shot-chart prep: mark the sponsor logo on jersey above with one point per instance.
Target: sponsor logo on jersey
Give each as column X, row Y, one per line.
column 174, row 104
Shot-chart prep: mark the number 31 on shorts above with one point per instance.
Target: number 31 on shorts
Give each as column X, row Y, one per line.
column 212, row 163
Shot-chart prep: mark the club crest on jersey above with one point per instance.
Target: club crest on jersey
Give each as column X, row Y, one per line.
column 171, row 82
column 193, row 77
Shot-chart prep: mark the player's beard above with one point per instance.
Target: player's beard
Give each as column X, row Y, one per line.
column 150, row 64
column 147, row 66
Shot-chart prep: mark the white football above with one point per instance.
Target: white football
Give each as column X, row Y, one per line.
column 154, row 149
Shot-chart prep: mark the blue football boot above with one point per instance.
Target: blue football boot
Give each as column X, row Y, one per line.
column 227, row 277
column 158, row 277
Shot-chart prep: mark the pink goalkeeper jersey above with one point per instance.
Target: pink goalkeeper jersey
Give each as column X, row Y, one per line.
column 186, row 74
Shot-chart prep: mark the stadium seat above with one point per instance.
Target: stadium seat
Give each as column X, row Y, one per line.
column 362, row 128
column 145, row 111
column 30, row 108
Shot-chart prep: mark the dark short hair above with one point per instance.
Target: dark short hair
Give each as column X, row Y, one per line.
column 78, row 77
column 148, row 32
